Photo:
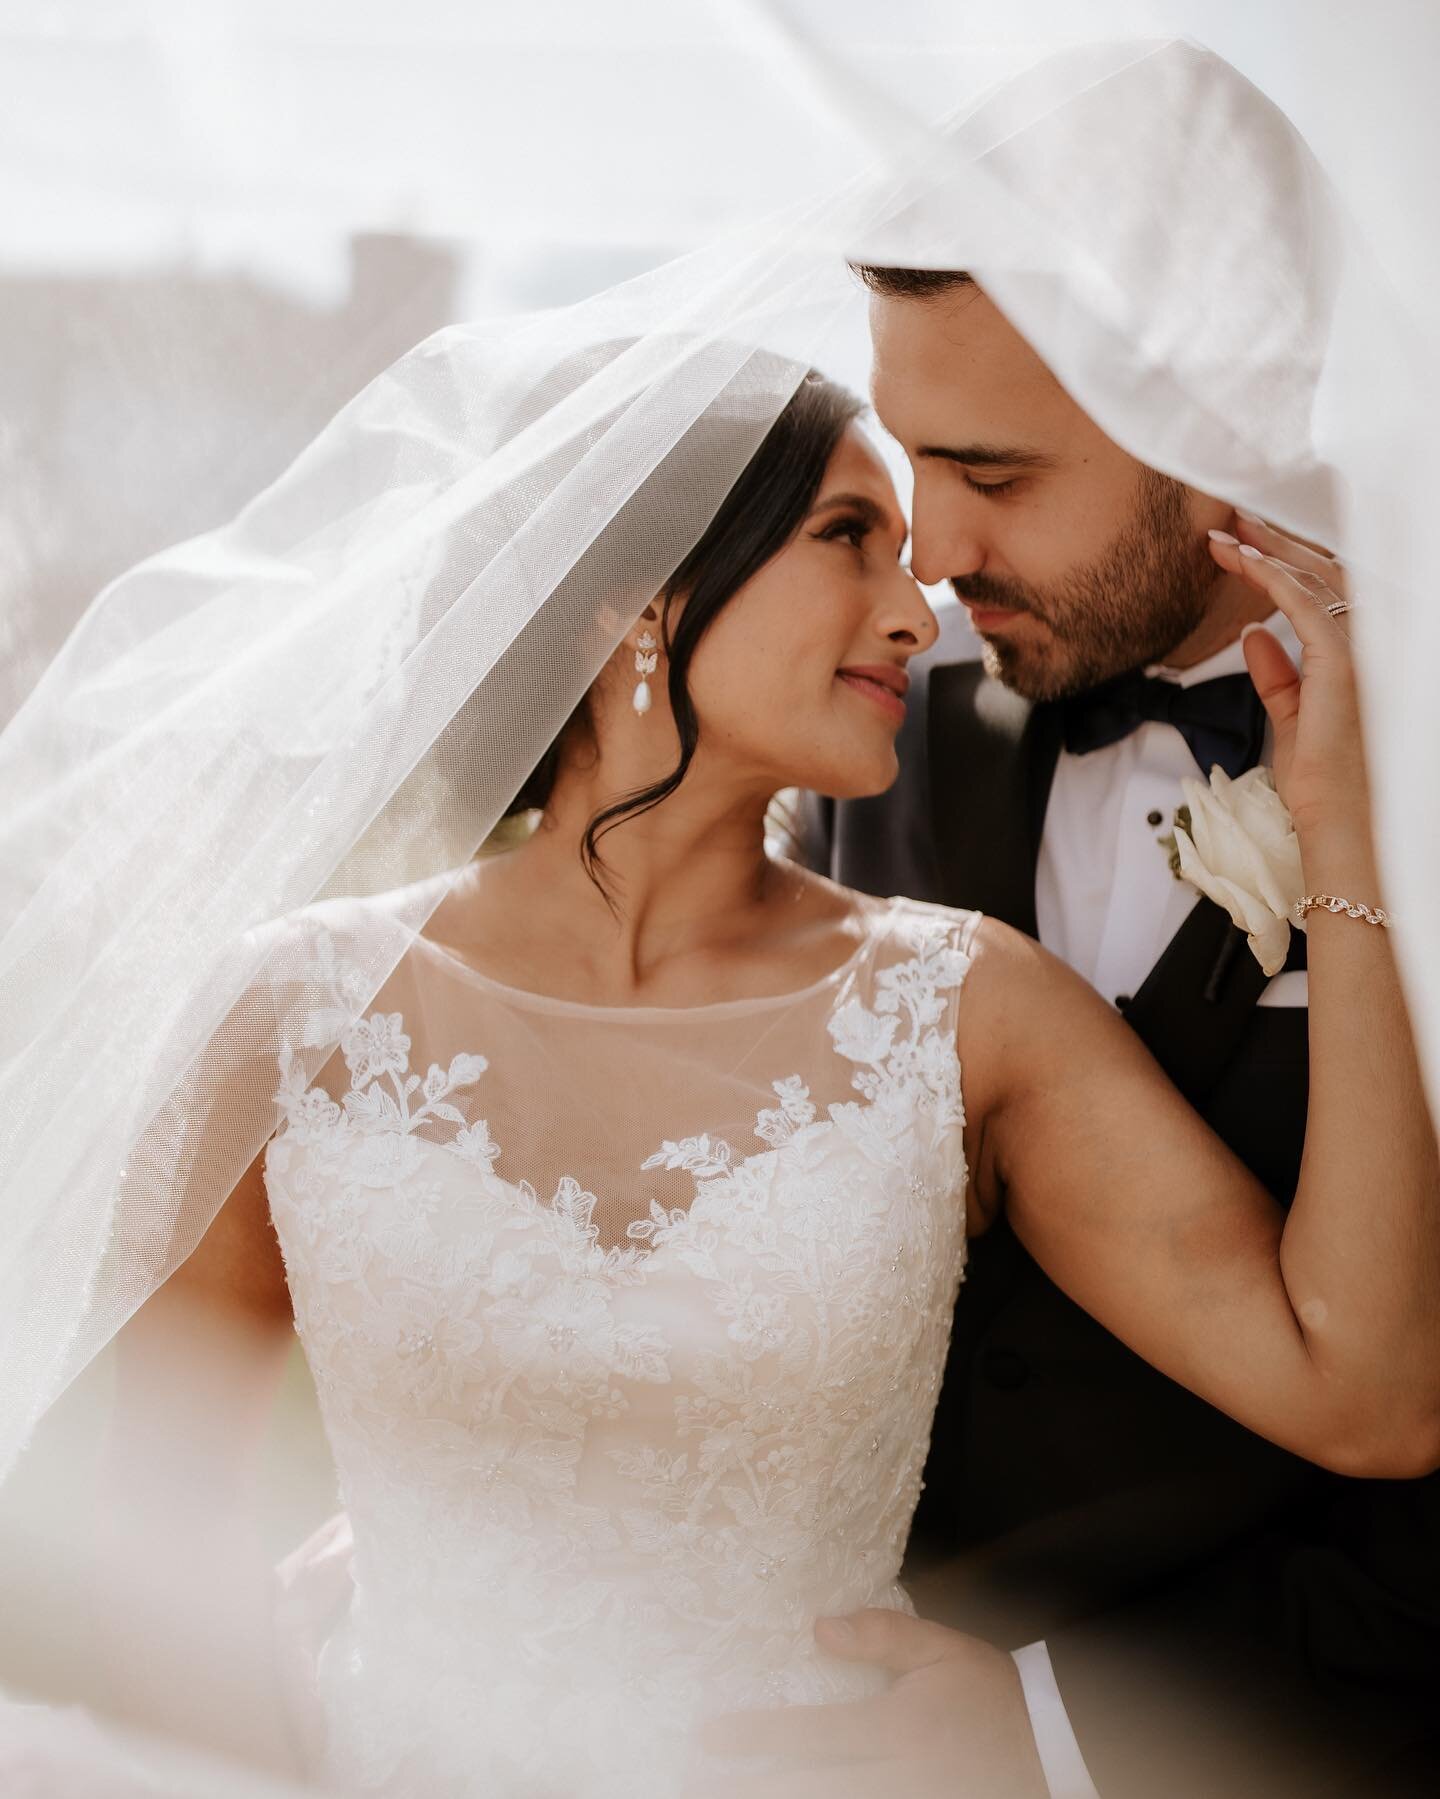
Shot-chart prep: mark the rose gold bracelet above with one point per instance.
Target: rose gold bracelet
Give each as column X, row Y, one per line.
column 1327, row 902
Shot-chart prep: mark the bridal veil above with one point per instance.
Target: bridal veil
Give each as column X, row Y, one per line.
column 340, row 692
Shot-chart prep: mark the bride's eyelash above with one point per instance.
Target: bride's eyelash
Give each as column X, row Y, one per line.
column 856, row 529
column 993, row 488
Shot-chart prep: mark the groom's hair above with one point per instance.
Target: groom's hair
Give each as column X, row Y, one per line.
column 911, row 284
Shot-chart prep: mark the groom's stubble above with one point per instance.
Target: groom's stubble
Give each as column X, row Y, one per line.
column 1142, row 596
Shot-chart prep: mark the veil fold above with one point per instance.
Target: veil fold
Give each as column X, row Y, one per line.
column 341, row 692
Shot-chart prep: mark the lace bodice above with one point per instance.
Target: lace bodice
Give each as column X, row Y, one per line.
column 627, row 1327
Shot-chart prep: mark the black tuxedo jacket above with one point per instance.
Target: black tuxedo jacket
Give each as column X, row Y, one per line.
column 1222, row 1617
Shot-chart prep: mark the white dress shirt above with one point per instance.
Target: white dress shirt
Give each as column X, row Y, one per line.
column 1107, row 903
column 1105, row 898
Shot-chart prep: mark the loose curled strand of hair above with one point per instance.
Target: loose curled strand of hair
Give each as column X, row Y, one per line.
column 757, row 518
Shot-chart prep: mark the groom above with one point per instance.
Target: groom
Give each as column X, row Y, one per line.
column 1196, row 1611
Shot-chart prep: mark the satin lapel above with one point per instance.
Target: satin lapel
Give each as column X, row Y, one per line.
column 991, row 757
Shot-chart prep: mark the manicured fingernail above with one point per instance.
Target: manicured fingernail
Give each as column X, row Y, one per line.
column 1248, row 629
column 1224, row 537
column 1248, row 549
column 1250, row 518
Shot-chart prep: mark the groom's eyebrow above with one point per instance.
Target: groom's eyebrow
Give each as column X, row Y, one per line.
column 988, row 455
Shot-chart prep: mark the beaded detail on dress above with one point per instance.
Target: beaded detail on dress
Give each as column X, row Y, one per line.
column 627, row 1333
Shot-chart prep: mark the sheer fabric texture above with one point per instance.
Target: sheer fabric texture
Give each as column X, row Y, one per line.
column 337, row 695
column 627, row 1326
column 341, row 692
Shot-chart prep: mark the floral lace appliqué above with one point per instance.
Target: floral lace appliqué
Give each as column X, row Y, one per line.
column 671, row 1455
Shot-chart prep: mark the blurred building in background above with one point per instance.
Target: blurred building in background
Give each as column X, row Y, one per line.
column 140, row 407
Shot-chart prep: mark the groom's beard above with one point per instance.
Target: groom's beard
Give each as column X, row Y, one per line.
column 1144, row 595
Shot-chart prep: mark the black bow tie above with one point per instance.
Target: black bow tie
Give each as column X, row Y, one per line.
column 1221, row 720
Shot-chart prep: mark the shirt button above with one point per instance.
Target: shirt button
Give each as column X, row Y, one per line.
column 1122, row 1000
column 1154, row 818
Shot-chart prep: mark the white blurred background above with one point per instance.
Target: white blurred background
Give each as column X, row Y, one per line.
column 220, row 218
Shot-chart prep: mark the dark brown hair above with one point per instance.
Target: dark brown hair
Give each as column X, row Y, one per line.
column 911, row 284
column 757, row 518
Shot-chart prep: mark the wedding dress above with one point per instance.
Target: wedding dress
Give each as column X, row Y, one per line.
column 341, row 691
column 627, row 1326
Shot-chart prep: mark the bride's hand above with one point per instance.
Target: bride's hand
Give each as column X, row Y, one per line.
column 1314, row 712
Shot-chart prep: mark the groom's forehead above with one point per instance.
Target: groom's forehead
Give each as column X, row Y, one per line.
column 958, row 362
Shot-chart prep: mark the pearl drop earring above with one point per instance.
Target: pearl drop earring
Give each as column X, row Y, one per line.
column 646, row 659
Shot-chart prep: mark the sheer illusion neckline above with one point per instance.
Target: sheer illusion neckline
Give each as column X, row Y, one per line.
column 545, row 1002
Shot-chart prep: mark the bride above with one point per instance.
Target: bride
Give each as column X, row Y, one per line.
column 622, row 1233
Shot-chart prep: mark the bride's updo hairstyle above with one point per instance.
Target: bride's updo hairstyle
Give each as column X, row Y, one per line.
column 756, row 520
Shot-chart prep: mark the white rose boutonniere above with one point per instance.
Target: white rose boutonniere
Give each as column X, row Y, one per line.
column 1238, row 846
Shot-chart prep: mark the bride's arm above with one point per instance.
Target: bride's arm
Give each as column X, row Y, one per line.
column 1320, row 1329
column 181, row 1568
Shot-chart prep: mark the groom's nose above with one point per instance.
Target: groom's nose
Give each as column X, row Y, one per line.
column 943, row 543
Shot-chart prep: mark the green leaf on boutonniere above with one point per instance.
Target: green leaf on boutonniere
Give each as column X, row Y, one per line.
column 1168, row 843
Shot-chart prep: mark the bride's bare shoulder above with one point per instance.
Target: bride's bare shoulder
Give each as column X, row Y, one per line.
column 1027, row 1016
column 1010, row 971
column 863, row 913
column 402, row 908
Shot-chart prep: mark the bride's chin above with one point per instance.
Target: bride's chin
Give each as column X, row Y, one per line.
column 853, row 780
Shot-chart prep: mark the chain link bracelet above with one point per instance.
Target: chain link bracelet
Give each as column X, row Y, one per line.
column 1328, row 902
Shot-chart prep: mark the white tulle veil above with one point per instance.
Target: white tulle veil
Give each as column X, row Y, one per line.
column 341, row 691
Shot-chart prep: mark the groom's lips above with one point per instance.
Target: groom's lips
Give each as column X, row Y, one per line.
column 991, row 618
column 882, row 683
